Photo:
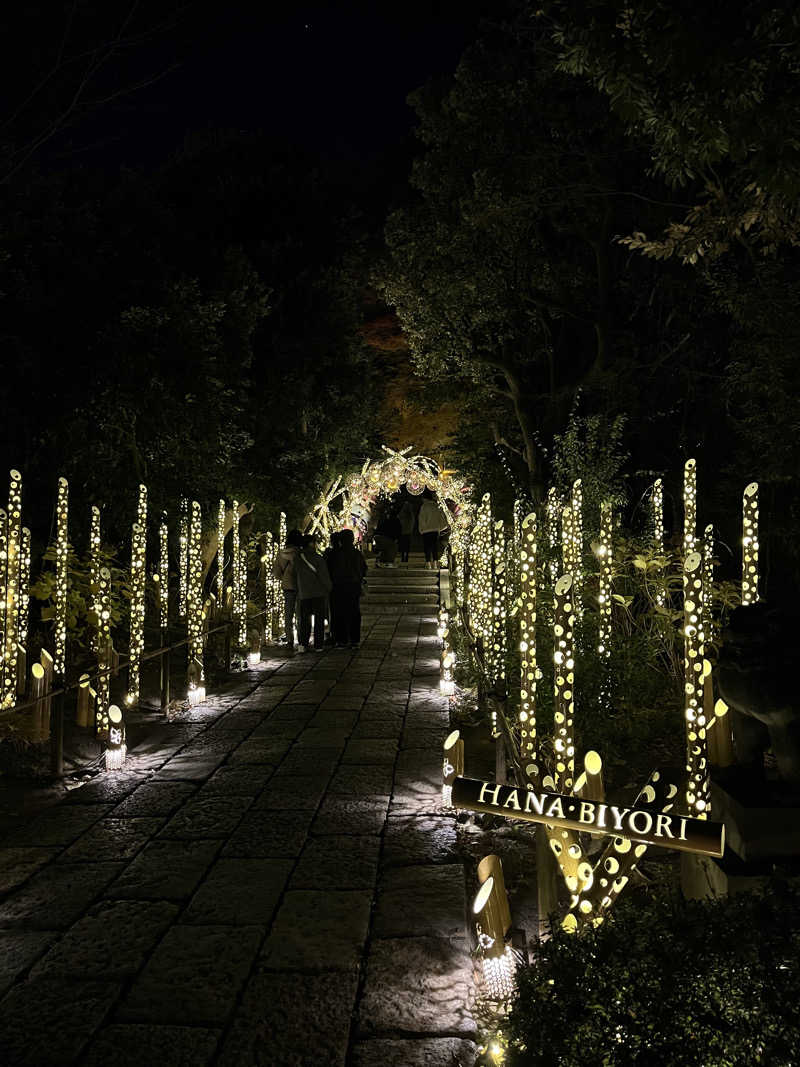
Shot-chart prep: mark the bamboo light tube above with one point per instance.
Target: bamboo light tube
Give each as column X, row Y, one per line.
column 563, row 683
column 24, row 607
column 163, row 573
column 750, row 544
column 589, row 783
column 270, row 592
column 499, row 965
column 605, row 554
column 242, row 597
column 491, row 867
column 116, row 749
column 47, row 665
column 496, row 660
column 452, row 765
column 220, row 551
column 657, row 501
column 698, row 789
column 236, row 572
column 480, row 580
column 62, row 557
column 529, row 745
column 83, row 715
column 3, row 567
column 194, row 607
column 577, row 544
column 183, row 558
column 38, row 688
column 104, row 651
column 552, row 514
column 138, row 590
column 708, row 584
column 689, row 506
column 13, row 546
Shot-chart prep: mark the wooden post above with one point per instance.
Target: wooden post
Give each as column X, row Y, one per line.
column 546, row 882
column 83, row 714
column 47, row 665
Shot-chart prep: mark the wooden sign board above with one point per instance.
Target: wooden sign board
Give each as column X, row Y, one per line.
column 648, row 825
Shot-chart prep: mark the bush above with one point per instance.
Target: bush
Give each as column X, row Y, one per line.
column 670, row 982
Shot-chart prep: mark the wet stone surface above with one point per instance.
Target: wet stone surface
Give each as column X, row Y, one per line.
column 269, row 881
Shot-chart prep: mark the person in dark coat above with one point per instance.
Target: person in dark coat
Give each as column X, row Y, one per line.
column 407, row 518
column 347, row 570
column 387, row 534
column 313, row 587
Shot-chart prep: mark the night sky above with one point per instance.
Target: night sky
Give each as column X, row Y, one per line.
column 328, row 79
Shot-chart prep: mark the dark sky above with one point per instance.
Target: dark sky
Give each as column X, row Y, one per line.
column 328, row 78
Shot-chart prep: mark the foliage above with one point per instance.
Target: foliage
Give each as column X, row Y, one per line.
column 712, row 89
column 81, row 620
column 591, row 448
column 666, row 981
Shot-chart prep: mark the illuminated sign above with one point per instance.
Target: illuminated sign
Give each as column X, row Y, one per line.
column 648, row 825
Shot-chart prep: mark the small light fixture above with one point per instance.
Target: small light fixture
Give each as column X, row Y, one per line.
column 452, row 766
column 117, row 749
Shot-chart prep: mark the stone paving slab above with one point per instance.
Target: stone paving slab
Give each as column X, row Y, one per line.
column 418, row 985
column 295, row 1020
column 318, row 931
column 430, row 1052
column 46, row 1021
column 239, row 892
column 261, row 902
column 194, row 976
column 139, row 1045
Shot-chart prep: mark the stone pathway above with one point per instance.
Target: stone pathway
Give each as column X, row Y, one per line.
column 269, row 881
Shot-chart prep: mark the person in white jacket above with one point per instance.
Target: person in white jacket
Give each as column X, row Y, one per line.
column 431, row 521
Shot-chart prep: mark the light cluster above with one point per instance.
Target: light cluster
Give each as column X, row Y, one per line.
column 183, row 558
column 697, row 786
column 272, row 586
column 552, row 513
column 492, row 923
column 194, row 607
column 236, row 573
column 750, row 544
column 12, row 598
column 480, row 575
column 221, row 553
column 95, row 562
column 657, row 502
column 577, row 544
column 103, row 616
column 116, row 749
column 708, row 584
column 3, row 568
column 163, row 573
column 689, row 506
column 529, row 749
column 605, row 555
column 62, row 558
column 563, row 682
column 138, row 578
column 496, row 657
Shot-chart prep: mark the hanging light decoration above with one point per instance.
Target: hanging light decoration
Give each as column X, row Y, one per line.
column 138, row 578
column 194, row 608
column 750, row 544
column 529, row 747
column 13, row 553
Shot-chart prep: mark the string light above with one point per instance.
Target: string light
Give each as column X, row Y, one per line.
column 496, row 660
column 657, row 501
column 236, row 571
column 564, row 682
column 221, row 553
column 689, row 506
column 3, row 567
column 62, row 556
column 103, row 617
column 552, row 514
column 529, row 749
column 14, row 535
column 24, row 600
column 183, row 558
column 750, row 544
column 697, row 788
column 605, row 554
column 95, row 563
column 577, row 544
column 163, row 573
column 242, row 597
column 270, row 592
column 194, row 608
column 138, row 577
column 480, row 574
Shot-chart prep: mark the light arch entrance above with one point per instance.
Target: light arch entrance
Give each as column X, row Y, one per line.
column 349, row 499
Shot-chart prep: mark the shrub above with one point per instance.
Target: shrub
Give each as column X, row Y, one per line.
column 670, row 982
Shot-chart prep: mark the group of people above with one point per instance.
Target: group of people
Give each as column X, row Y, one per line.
column 395, row 529
column 321, row 587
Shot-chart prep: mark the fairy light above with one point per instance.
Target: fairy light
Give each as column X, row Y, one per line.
column 697, row 787
column 221, row 552
column 163, row 573
column 480, row 574
column 270, row 593
column 689, row 506
column 95, row 562
column 529, row 749
column 750, row 544
column 3, row 567
column 103, row 622
column 14, row 536
column 183, row 558
column 194, row 607
column 708, row 584
column 563, row 683
column 605, row 554
column 657, row 502
column 24, row 587
column 496, row 660
column 235, row 570
column 552, row 514
column 138, row 578
column 117, row 749
column 62, row 556
column 577, row 543
column 242, row 597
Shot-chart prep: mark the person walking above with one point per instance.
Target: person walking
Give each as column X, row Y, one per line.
column 406, row 518
column 348, row 569
column 284, row 568
column 431, row 521
column 313, row 587
column 386, row 534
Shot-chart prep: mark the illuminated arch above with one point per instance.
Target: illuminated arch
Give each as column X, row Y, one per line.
column 349, row 500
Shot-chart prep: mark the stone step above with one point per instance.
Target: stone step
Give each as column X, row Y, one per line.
column 377, row 582
column 397, row 597
column 368, row 610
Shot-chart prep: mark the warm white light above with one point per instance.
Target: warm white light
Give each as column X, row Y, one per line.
column 117, row 749
column 606, row 557
column 564, row 682
column 698, row 790
column 62, row 557
column 500, row 975
column 163, row 573
column 196, row 695
column 689, row 506
column 253, row 658
column 183, row 561
column 194, row 601
column 12, row 599
column 750, row 544
column 138, row 573
column 526, row 569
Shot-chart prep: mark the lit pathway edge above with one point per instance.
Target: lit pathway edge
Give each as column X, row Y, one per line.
column 572, row 812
